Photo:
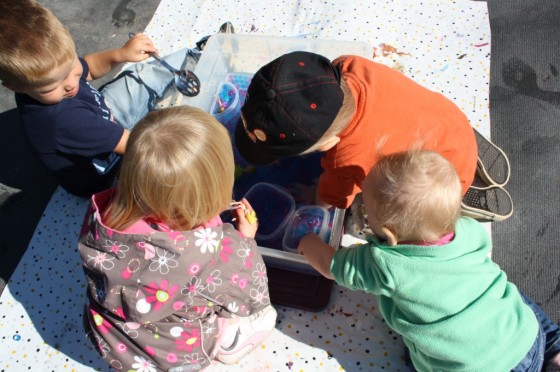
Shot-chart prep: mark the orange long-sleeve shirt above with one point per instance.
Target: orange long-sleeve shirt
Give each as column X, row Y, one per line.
column 392, row 114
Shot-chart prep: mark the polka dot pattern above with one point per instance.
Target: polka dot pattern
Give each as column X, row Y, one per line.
column 442, row 45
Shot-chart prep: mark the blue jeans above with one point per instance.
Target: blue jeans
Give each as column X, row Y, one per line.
column 136, row 90
column 546, row 345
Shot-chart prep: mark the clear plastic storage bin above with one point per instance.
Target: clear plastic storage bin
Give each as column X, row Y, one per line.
column 225, row 70
column 234, row 53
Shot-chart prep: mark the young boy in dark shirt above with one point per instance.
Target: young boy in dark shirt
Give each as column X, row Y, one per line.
column 67, row 121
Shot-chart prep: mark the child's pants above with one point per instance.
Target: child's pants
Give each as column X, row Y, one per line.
column 135, row 91
column 546, row 345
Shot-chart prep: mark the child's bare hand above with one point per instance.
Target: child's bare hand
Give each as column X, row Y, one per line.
column 247, row 222
column 310, row 244
column 318, row 253
column 138, row 48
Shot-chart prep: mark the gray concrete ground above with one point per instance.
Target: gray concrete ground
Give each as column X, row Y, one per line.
column 25, row 186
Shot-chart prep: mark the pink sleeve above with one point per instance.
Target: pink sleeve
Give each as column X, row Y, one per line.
column 139, row 227
column 214, row 221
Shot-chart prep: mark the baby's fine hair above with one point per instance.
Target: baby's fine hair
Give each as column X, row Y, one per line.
column 178, row 169
column 418, row 193
column 33, row 42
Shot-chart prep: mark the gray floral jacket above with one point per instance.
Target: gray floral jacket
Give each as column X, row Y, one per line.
column 154, row 299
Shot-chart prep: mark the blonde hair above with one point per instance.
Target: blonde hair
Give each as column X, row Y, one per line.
column 33, row 42
column 416, row 193
column 178, row 169
column 341, row 121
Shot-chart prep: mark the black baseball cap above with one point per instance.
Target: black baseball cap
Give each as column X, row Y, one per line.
column 290, row 104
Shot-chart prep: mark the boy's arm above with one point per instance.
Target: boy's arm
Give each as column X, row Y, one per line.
column 338, row 186
column 318, row 253
column 136, row 49
column 121, row 146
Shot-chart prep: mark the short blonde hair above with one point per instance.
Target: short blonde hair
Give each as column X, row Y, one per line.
column 178, row 169
column 417, row 193
column 33, row 42
column 341, row 121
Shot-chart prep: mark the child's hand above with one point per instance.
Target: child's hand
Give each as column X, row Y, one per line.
column 318, row 253
column 247, row 222
column 138, row 48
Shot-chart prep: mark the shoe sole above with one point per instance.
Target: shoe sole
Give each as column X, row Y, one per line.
column 236, row 352
column 231, row 357
column 493, row 165
column 491, row 203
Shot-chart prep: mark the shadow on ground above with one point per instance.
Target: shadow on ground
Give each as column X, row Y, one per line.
column 25, row 186
column 25, row 189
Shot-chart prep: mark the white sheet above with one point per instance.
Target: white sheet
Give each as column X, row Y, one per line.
column 444, row 45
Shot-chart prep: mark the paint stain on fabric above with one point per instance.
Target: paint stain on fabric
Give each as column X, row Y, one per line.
column 385, row 50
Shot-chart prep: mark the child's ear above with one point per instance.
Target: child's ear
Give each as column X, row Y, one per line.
column 390, row 235
column 331, row 142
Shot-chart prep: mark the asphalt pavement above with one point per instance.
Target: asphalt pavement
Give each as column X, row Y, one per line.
column 25, row 185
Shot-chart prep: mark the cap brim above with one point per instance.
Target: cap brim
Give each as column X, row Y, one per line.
column 254, row 153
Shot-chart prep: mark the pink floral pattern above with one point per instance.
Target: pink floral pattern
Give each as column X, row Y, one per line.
column 226, row 250
column 160, row 294
column 163, row 290
column 188, row 340
column 102, row 325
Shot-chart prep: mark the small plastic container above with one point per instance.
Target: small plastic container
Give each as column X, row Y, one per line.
column 229, row 98
column 273, row 207
column 305, row 220
column 225, row 107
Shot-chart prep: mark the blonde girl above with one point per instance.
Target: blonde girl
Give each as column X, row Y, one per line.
column 170, row 287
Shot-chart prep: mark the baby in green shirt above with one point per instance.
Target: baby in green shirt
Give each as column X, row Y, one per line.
column 431, row 272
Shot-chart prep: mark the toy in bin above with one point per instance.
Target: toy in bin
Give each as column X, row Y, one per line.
column 230, row 96
column 226, row 108
column 274, row 207
column 305, row 220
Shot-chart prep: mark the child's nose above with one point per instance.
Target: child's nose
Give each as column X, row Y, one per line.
column 70, row 84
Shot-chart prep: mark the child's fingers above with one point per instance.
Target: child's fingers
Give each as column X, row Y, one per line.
column 142, row 44
column 246, row 203
column 145, row 46
column 245, row 213
column 251, row 216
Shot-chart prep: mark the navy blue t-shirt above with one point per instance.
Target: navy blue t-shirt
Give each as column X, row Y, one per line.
column 74, row 138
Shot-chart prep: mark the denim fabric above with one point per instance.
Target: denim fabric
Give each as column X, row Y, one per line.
column 136, row 90
column 546, row 345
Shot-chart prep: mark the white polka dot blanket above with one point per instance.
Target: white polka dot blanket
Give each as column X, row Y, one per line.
column 443, row 45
